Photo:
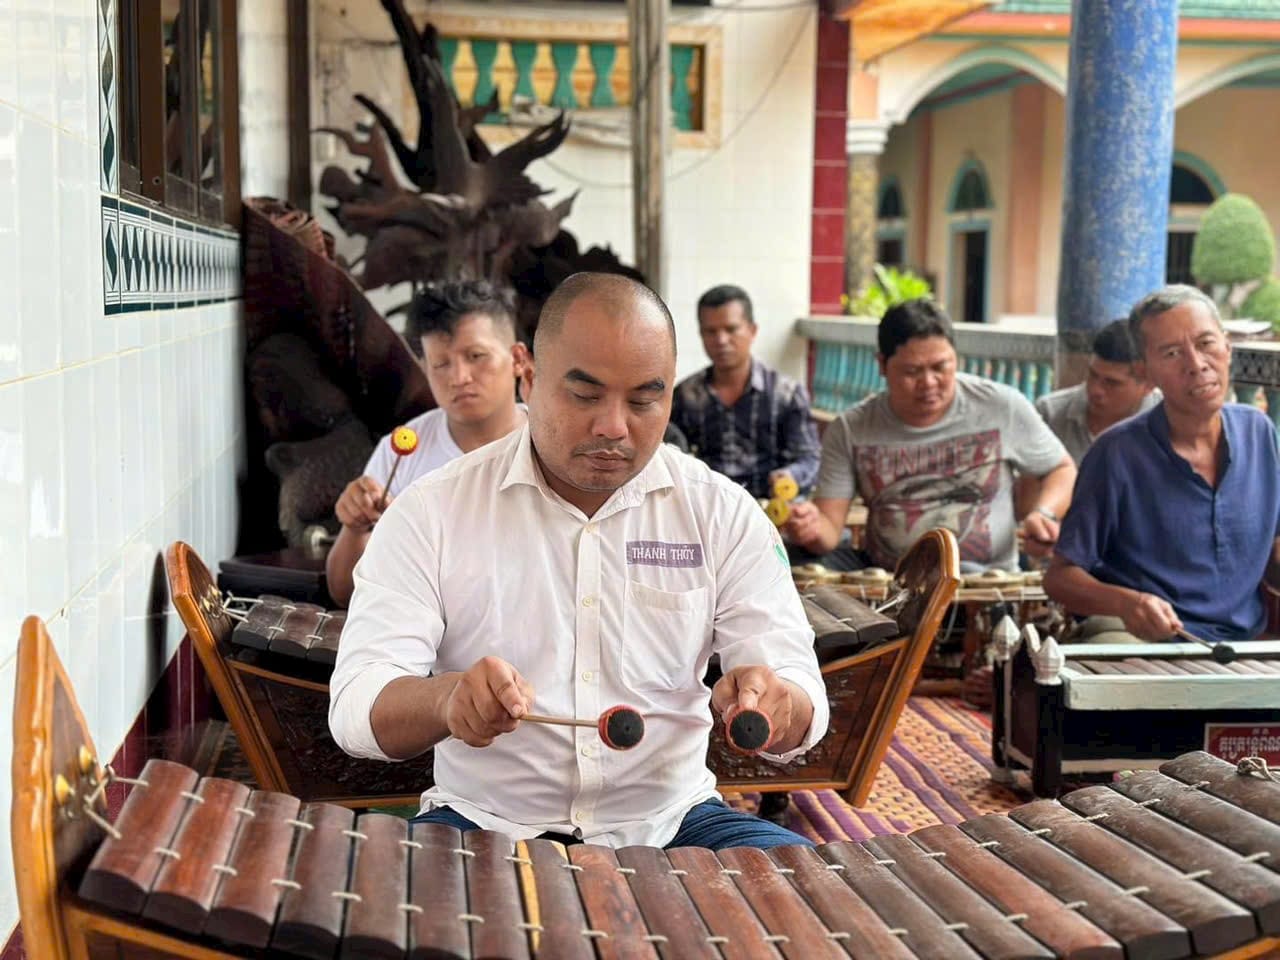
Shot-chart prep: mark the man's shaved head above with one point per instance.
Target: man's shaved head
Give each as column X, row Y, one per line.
column 618, row 294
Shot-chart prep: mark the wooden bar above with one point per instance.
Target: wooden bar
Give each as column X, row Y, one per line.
column 310, row 919
column 977, row 921
column 1215, row 923
column 293, row 636
column 1209, row 816
column 260, row 624
column 560, row 913
column 1065, row 931
column 376, row 926
column 438, row 888
column 1145, row 933
column 493, row 892
column 733, row 923
column 1213, row 865
column 611, row 908
column 926, row 933
column 1252, row 793
column 779, row 906
column 122, row 871
column 668, row 911
column 244, row 908
column 325, row 650
column 854, row 924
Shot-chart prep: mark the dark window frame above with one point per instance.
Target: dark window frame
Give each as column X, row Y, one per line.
column 144, row 170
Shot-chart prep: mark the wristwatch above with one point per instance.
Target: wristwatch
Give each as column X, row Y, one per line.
column 1047, row 513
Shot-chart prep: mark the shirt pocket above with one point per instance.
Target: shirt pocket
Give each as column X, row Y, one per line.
column 663, row 637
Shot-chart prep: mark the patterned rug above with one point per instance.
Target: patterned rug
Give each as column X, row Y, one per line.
column 937, row 770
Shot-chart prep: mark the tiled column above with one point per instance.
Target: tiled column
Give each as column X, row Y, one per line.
column 864, row 142
column 1116, row 181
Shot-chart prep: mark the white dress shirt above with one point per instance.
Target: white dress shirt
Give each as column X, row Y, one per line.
column 481, row 558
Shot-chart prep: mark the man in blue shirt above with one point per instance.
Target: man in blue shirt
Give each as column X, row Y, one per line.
column 740, row 417
column 1175, row 520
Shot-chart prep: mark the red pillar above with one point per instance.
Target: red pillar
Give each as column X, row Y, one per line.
column 831, row 113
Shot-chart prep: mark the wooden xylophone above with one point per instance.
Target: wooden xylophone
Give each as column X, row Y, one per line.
column 1179, row 863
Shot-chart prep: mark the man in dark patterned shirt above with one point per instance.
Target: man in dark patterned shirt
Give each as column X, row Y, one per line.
column 740, row 417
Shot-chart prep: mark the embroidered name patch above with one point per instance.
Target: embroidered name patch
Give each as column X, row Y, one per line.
column 656, row 553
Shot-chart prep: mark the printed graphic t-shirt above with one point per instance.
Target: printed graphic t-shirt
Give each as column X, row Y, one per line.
column 956, row 473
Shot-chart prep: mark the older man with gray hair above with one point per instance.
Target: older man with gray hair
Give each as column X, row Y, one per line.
column 1175, row 520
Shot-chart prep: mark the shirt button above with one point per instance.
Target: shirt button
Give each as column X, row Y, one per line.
column 592, row 528
column 587, row 675
column 587, row 601
column 586, row 751
column 578, row 818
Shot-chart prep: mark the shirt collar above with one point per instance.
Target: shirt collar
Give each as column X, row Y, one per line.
column 1158, row 424
column 754, row 382
column 524, row 469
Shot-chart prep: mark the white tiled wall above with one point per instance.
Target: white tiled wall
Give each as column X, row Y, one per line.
column 739, row 213
column 119, row 433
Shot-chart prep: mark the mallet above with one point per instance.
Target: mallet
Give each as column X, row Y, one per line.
column 748, row 731
column 404, row 440
column 1222, row 652
column 620, row 727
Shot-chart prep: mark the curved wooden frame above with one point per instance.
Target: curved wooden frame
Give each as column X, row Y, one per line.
column 246, row 690
column 885, row 675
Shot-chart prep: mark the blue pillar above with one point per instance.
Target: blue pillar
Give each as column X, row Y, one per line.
column 1118, row 154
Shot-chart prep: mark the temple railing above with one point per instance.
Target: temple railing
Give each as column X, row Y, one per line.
column 579, row 65
column 844, row 369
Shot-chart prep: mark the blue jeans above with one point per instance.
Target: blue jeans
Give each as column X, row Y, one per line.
column 712, row 824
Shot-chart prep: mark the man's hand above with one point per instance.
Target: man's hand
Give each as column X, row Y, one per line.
column 805, row 526
column 759, row 688
column 1039, row 534
column 488, row 700
column 360, row 505
column 1151, row 618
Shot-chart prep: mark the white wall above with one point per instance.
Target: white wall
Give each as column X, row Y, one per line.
column 739, row 213
column 119, row 431
column 264, row 114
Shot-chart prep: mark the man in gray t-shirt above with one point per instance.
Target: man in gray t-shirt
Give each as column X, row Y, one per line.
column 936, row 449
column 1112, row 392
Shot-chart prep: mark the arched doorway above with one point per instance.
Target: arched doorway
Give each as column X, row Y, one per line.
column 969, row 219
column 891, row 225
column 1192, row 187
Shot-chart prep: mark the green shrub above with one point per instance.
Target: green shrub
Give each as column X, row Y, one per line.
column 1235, row 243
column 890, row 287
column 1264, row 304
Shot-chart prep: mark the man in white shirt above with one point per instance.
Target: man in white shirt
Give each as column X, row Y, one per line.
column 577, row 564
column 464, row 335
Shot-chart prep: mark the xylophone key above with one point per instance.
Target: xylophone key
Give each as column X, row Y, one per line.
column 1066, row 932
column 1140, row 665
column 244, row 908
column 665, row 905
column 375, row 925
column 1215, row 923
column 559, row 909
column 1213, row 865
column 184, row 888
column 310, row 919
column 924, row 933
column 122, row 871
column 781, row 910
column 611, row 908
column 1258, row 796
column 733, row 923
column 1146, row 933
column 493, row 892
column 864, row 935
column 293, row 636
column 984, row 927
column 438, row 888
column 325, row 650
column 1262, row 666
column 1207, row 815
column 261, row 623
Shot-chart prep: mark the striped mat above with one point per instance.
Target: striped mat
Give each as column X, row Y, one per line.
column 937, row 770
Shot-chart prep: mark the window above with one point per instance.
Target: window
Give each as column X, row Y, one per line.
column 969, row 206
column 1190, row 192
column 179, row 118
column 971, row 192
column 890, row 207
column 891, row 228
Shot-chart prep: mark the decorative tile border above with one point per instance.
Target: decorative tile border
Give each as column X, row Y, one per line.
column 108, row 69
column 152, row 261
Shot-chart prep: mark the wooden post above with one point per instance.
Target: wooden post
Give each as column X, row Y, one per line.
column 299, row 99
column 650, row 108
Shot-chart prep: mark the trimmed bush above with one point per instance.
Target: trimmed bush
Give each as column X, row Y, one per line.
column 1264, row 304
column 1235, row 243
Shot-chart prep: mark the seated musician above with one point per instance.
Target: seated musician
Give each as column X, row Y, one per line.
column 937, row 448
column 464, row 336
column 1113, row 390
column 740, row 417
column 577, row 564
column 1176, row 515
